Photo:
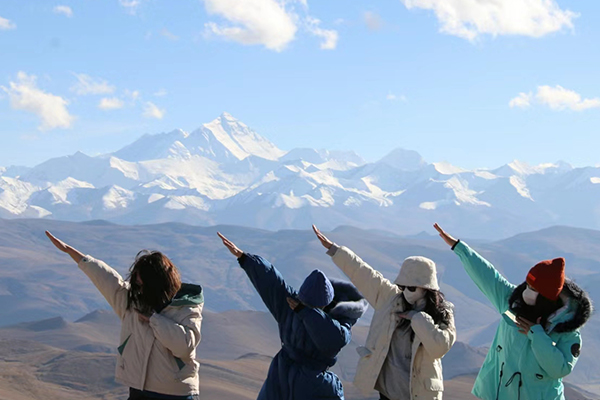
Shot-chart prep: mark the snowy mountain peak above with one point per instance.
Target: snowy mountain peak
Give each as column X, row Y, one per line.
column 240, row 140
column 522, row 168
column 446, row 168
column 402, row 159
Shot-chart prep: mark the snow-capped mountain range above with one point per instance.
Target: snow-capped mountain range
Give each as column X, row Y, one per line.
column 225, row 173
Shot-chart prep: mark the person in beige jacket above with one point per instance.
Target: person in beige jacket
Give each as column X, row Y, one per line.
column 412, row 328
column 160, row 324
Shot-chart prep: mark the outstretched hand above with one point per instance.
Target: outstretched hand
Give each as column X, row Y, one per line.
column 450, row 241
column 65, row 248
column 324, row 241
column 231, row 246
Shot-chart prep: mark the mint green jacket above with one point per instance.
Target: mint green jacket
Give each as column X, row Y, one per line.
column 518, row 366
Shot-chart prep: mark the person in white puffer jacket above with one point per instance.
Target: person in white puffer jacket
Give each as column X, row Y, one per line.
column 412, row 328
column 160, row 324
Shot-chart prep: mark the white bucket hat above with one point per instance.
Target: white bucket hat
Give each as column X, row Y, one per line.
column 418, row 271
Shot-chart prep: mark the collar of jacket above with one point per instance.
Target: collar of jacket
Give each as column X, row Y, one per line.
column 188, row 295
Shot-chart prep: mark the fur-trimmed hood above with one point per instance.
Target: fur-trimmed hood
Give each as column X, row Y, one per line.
column 348, row 304
column 576, row 311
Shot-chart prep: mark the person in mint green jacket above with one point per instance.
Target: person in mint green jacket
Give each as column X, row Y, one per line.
column 538, row 341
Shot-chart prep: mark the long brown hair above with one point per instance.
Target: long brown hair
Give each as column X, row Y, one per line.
column 435, row 305
column 160, row 282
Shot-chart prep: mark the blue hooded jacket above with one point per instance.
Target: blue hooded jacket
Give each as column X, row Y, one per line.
column 310, row 338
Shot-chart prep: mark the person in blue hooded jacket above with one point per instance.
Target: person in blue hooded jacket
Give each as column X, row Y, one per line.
column 314, row 325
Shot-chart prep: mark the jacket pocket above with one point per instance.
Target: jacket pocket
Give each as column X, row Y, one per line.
column 433, row 384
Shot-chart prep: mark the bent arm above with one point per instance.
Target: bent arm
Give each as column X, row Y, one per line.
column 328, row 334
column 487, row 278
column 180, row 338
column 108, row 281
column 269, row 284
column 369, row 282
column 436, row 339
column 557, row 360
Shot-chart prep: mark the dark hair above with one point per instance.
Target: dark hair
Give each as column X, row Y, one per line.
column 435, row 305
column 160, row 282
column 543, row 307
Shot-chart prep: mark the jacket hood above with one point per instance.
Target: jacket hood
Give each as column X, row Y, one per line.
column 576, row 311
column 188, row 295
column 348, row 304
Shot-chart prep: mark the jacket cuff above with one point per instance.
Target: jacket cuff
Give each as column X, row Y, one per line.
column 460, row 247
column 241, row 259
column 453, row 246
column 535, row 330
column 332, row 250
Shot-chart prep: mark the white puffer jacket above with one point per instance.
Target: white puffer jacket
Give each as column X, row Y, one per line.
column 431, row 341
column 159, row 356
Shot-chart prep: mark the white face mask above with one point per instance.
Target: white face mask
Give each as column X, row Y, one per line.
column 530, row 296
column 413, row 297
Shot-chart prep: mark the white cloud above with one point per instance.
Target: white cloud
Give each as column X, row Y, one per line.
column 65, row 10
column 559, row 98
column 471, row 18
column 253, row 22
column 130, row 5
column 393, row 97
column 523, row 100
column 132, row 94
column 330, row 37
column 168, row 34
column 373, row 20
column 152, row 111
column 87, row 85
column 6, row 24
column 160, row 93
column 556, row 98
column 111, row 103
column 51, row 109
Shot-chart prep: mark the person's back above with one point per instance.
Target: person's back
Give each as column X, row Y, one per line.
column 160, row 324
column 314, row 325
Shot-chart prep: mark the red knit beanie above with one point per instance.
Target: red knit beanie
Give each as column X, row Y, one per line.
column 548, row 277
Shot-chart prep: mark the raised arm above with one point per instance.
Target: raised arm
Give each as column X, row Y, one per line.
column 181, row 337
column 327, row 334
column 108, row 281
column 369, row 282
column 487, row 278
column 436, row 339
column 265, row 278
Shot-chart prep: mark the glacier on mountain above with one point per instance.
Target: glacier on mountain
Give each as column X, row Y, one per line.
column 224, row 172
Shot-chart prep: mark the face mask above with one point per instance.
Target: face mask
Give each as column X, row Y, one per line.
column 529, row 296
column 413, row 297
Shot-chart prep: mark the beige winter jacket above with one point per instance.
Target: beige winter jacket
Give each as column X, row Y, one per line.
column 159, row 356
column 431, row 341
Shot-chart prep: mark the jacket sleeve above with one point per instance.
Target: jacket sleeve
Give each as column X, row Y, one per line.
column 436, row 339
column 487, row 278
column 181, row 338
column 108, row 281
column 369, row 282
column 557, row 360
column 328, row 334
column 269, row 284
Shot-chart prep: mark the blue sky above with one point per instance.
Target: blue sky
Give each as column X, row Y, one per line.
column 474, row 83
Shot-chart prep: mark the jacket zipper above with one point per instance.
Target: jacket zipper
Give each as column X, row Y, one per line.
column 500, row 381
